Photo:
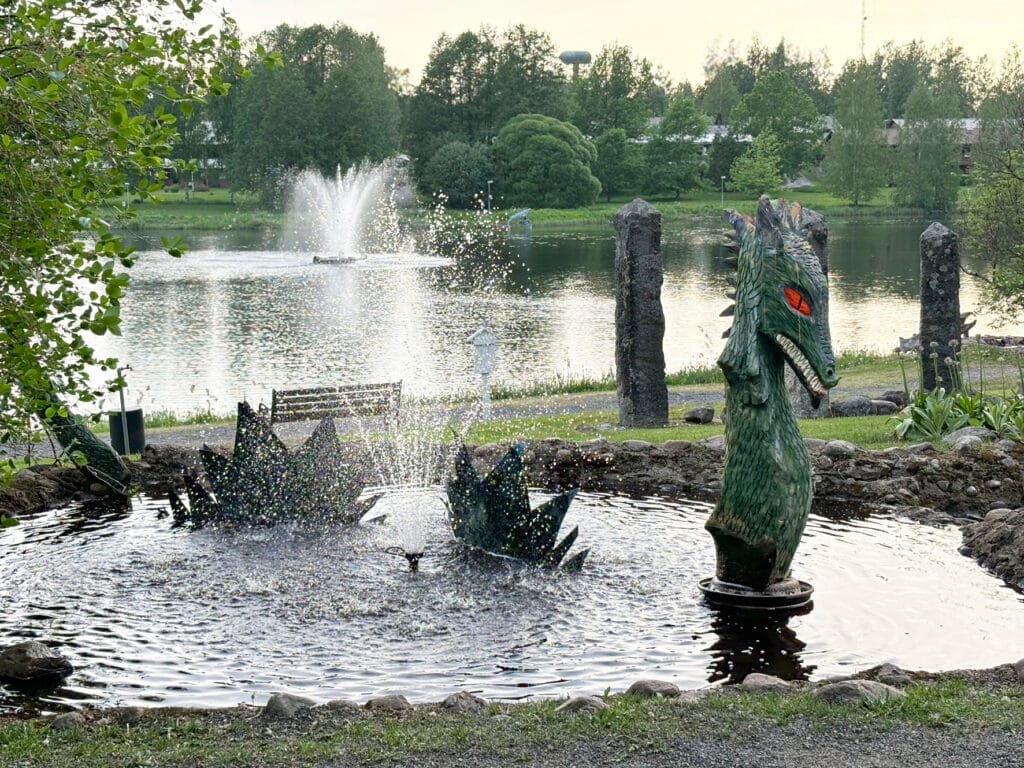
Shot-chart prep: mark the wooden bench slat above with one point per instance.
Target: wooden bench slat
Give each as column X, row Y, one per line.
column 346, row 400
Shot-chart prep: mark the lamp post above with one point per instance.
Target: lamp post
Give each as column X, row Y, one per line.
column 485, row 344
column 489, row 182
column 723, row 191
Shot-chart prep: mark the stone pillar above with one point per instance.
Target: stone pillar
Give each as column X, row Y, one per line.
column 639, row 318
column 940, row 304
column 816, row 230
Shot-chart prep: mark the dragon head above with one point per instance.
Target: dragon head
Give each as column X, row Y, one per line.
column 781, row 297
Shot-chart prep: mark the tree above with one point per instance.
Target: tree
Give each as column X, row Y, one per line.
column 614, row 93
column 855, row 157
column 332, row 104
column 673, row 157
column 83, row 113
column 899, row 70
column 545, row 163
column 474, row 83
column 758, row 170
column 460, row 172
column 995, row 232
column 926, row 174
column 612, row 166
column 724, row 151
column 776, row 105
column 995, row 210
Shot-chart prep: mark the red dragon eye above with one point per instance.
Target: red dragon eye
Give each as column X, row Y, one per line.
column 796, row 300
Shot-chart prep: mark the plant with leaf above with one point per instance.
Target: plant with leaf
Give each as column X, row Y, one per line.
column 85, row 90
column 929, row 416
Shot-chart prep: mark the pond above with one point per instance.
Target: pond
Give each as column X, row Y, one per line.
column 154, row 615
column 236, row 317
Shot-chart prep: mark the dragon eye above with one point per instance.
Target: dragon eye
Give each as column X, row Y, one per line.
column 796, row 300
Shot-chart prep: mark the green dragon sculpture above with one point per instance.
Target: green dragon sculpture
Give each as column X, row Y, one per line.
column 781, row 314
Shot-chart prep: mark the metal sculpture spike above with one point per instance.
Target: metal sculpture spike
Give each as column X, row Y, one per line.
column 493, row 513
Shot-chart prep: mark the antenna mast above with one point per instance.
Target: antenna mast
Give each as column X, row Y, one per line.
column 863, row 24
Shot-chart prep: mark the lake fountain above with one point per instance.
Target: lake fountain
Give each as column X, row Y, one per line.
column 349, row 217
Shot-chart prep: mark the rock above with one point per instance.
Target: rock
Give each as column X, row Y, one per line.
column 855, row 405
column 716, row 442
column 815, row 445
column 393, row 702
column 997, row 541
column 758, row 681
column 32, row 662
column 857, row 692
column 1019, row 667
column 890, row 674
column 651, row 688
column 464, row 701
column 884, row 407
column 704, row 414
column 895, row 396
column 966, row 443
column 283, row 706
column 839, row 449
column 342, row 705
column 925, row 516
column 583, row 704
column 67, row 721
column 982, row 433
column 128, row 715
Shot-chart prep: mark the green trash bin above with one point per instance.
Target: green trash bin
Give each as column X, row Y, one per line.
column 136, row 431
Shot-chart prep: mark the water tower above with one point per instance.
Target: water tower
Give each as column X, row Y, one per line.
column 575, row 58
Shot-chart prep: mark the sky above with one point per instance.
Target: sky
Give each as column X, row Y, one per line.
column 675, row 36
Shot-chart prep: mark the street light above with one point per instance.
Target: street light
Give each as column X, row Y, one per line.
column 723, row 191
column 489, row 182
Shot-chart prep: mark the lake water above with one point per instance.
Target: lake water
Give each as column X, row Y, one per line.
column 151, row 615
column 236, row 317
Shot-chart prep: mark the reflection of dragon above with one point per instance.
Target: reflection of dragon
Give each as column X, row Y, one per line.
column 781, row 314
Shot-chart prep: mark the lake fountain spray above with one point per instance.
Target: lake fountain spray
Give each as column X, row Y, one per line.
column 347, row 217
column 780, row 316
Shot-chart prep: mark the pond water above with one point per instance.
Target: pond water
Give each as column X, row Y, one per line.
column 236, row 318
column 152, row 615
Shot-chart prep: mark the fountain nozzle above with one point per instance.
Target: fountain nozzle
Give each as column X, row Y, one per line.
column 412, row 557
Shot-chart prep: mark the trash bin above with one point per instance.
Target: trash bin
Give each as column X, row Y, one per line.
column 136, row 431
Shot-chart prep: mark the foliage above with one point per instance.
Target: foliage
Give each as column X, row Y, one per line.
column 995, row 210
column 724, row 151
column 84, row 102
column 544, row 162
column 612, row 166
column 332, row 104
column 898, row 70
column 613, row 93
column 475, row 82
column 926, row 174
column 758, row 170
column 673, row 156
column 995, row 232
column 460, row 171
column 777, row 106
column 855, row 156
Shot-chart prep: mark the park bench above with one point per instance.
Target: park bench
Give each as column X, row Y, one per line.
column 342, row 401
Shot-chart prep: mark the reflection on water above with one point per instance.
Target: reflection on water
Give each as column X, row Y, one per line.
column 150, row 614
column 234, row 319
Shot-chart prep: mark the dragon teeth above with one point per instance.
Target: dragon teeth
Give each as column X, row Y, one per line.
column 802, row 364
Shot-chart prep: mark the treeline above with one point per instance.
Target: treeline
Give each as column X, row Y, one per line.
column 500, row 111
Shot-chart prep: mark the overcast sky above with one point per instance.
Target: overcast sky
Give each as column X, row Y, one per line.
column 673, row 34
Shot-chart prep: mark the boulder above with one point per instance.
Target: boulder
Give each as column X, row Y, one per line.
column 890, row 674
column 703, row 414
column 758, row 681
column 583, row 704
column 652, row 688
column 282, row 706
column 393, row 702
column 857, row 692
column 31, row 662
column 464, row 701
column 839, row 449
column 68, row 720
column 855, row 405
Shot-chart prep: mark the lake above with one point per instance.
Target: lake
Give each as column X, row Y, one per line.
column 237, row 317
